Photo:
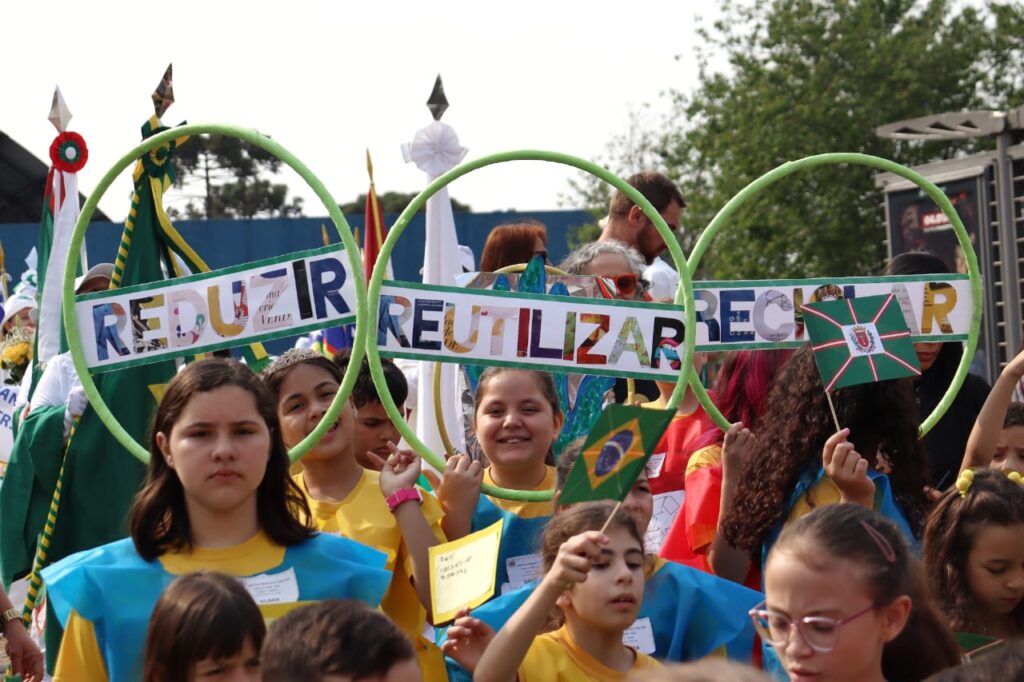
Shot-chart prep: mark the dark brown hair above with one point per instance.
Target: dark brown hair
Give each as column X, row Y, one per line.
column 364, row 391
column 333, row 637
column 851, row 534
column 798, row 422
column 199, row 616
column 511, row 244
column 992, row 500
column 578, row 519
column 1014, row 415
column 158, row 517
column 656, row 188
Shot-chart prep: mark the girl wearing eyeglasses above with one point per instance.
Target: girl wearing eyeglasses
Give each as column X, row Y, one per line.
column 845, row 602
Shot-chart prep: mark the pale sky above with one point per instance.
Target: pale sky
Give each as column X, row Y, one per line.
column 329, row 79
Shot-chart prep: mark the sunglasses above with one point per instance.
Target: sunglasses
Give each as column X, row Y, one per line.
column 628, row 284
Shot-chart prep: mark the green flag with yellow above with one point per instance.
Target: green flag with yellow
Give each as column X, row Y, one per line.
column 615, row 452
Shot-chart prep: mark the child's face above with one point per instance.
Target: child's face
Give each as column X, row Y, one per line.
column 244, row 667
column 218, row 447
column 1010, row 450
column 515, row 423
column 610, row 598
column 304, row 397
column 639, row 503
column 373, row 430
column 796, row 590
column 995, row 569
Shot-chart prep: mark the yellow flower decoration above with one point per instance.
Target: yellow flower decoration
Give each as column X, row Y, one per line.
column 964, row 481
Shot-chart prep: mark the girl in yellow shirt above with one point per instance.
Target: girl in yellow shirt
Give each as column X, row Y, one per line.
column 597, row 582
column 216, row 497
column 382, row 509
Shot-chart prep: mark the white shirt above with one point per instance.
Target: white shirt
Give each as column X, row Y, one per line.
column 663, row 278
column 56, row 383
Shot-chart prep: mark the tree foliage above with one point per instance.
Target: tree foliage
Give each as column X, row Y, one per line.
column 806, row 77
column 393, row 202
column 223, row 179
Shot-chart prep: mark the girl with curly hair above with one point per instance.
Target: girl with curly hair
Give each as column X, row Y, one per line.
column 974, row 553
column 798, row 461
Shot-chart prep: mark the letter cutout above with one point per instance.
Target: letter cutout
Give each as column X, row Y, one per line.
column 449, row 329
column 108, row 321
column 583, row 354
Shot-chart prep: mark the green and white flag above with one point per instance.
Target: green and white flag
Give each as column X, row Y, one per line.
column 860, row 340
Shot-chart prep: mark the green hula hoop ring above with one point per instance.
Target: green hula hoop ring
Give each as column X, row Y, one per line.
column 344, row 232
column 684, row 294
column 936, row 195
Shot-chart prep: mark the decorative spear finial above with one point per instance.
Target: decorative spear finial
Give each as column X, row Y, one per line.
column 60, row 115
column 163, row 96
column 437, row 103
column 369, row 165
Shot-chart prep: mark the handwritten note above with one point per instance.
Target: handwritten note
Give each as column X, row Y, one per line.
column 462, row 572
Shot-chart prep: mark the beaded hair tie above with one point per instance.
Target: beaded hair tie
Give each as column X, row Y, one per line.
column 966, row 478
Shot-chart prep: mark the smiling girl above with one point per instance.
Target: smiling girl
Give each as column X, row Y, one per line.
column 381, row 508
column 216, row 497
column 974, row 551
column 844, row 602
column 517, row 420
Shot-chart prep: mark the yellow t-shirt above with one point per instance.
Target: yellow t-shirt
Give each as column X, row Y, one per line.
column 526, row 510
column 80, row 657
column 364, row 516
column 555, row 657
column 822, row 493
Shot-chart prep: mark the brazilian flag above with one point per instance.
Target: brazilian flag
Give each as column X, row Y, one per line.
column 860, row 340
column 615, row 452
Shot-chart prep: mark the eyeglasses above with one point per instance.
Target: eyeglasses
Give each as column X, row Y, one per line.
column 628, row 284
column 818, row 632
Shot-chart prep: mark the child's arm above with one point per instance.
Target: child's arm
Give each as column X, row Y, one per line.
column 400, row 471
column 506, row 652
column 981, row 445
column 459, row 492
column 727, row 561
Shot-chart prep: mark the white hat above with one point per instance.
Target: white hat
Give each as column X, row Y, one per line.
column 15, row 304
column 98, row 270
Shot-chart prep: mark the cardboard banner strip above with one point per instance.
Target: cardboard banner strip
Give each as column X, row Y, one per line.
column 636, row 339
column 281, row 296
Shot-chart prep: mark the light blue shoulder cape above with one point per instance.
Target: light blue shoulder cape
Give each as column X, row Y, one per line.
column 115, row 589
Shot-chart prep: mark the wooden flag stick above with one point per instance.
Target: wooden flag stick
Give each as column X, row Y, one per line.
column 608, row 521
column 833, row 408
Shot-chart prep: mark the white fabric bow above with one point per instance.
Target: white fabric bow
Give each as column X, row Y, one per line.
column 434, row 149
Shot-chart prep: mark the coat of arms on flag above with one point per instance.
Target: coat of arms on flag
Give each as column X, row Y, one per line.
column 860, row 340
column 615, row 451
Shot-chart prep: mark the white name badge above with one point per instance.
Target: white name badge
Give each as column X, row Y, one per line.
column 273, row 588
column 522, row 569
column 654, row 464
column 640, row 636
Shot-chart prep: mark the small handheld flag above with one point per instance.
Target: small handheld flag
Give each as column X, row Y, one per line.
column 615, row 452
column 860, row 340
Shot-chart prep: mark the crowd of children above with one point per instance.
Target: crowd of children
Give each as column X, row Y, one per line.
column 807, row 551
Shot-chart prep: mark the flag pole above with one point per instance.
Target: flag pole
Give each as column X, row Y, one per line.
column 608, row 521
column 832, row 407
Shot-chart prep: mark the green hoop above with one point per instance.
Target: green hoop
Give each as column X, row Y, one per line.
column 684, row 294
column 929, row 187
column 344, row 232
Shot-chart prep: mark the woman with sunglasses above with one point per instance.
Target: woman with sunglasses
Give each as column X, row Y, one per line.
column 845, row 602
column 614, row 261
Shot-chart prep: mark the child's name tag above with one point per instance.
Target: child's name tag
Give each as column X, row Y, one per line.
column 640, row 636
column 273, row 588
column 522, row 569
column 654, row 464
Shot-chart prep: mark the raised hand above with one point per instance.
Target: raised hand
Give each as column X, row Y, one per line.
column 575, row 558
column 400, row 470
column 468, row 638
column 848, row 470
column 736, row 447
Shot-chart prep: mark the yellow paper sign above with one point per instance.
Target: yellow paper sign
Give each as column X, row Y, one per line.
column 462, row 572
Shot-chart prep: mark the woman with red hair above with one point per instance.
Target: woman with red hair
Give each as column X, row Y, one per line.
column 514, row 243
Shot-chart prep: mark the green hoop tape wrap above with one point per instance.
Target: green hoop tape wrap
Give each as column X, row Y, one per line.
column 344, row 232
column 684, row 295
column 929, row 187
